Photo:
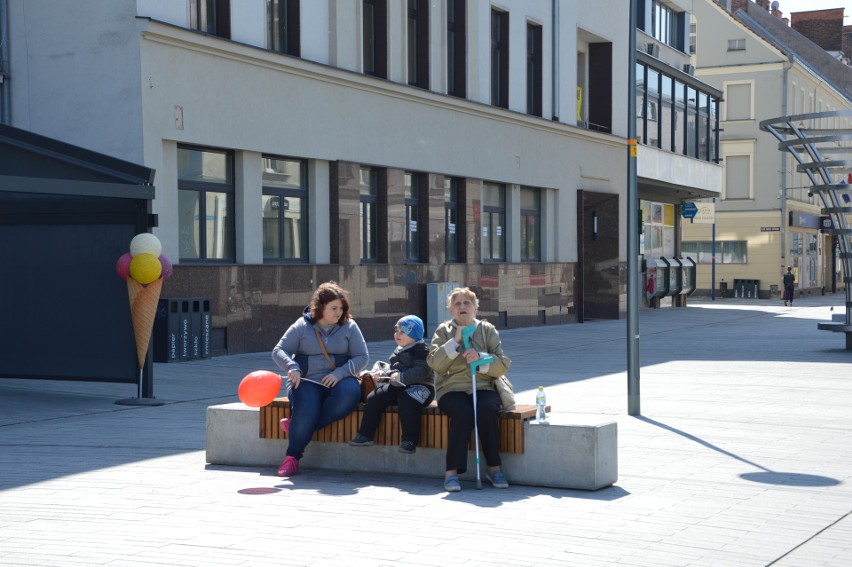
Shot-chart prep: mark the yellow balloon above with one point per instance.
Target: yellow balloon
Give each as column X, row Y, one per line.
column 145, row 268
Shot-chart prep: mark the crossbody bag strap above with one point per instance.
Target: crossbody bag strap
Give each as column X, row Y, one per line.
column 322, row 346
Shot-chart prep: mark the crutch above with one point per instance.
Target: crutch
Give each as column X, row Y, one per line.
column 467, row 332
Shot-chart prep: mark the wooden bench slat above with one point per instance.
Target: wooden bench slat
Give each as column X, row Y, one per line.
column 434, row 426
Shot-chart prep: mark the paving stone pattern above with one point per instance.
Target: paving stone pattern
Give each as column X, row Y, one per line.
column 741, row 457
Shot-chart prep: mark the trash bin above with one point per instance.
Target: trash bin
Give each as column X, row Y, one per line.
column 747, row 289
column 166, row 330
column 182, row 329
column 675, row 273
column 723, row 288
column 689, row 276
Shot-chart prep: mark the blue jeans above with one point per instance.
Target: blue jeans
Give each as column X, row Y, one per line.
column 313, row 407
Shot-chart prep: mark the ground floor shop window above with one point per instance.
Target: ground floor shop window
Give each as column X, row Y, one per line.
column 658, row 230
column 727, row 251
column 493, row 222
column 206, row 204
column 285, row 199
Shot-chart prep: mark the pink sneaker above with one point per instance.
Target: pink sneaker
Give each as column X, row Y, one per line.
column 284, row 424
column 289, row 467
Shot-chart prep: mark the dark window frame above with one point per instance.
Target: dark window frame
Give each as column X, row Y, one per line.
column 418, row 43
column 416, row 209
column 284, row 26
column 499, row 58
column 203, row 188
column 374, row 28
column 531, row 219
column 489, row 214
column 282, row 194
column 457, row 48
column 535, row 83
column 211, row 16
column 455, row 241
column 369, row 209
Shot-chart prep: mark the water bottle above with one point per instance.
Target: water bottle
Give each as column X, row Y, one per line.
column 540, row 406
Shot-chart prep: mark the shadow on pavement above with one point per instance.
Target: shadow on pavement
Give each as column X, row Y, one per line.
column 765, row 476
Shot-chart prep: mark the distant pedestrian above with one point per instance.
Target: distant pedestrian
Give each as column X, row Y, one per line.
column 408, row 383
column 789, row 285
column 322, row 353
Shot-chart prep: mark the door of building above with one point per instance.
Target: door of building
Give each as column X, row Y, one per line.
column 598, row 270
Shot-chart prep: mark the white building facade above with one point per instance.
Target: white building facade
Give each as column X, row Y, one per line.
column 766, row 219
column 383, row 144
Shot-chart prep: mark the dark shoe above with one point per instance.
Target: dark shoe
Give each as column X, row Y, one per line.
column 452, row 484
column 361, row 441
column 407, row 447
column 498, row 479
column 785, row 304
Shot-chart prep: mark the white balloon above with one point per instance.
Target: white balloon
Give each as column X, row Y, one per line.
column 146, row 243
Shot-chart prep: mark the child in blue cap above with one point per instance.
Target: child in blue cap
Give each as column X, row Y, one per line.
column 408, row 383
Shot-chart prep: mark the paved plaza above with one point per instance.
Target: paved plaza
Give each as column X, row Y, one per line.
column 742, row 457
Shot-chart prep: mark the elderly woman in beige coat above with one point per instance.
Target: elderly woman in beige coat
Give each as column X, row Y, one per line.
column 449, row 358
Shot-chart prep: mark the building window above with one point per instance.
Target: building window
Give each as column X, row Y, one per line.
column 283, row 19
column 418, row 43
column 416, row 190
column 693, row 37
column 369, row 220
column 285, row 208
column 657, row 238
column 493, row 222
column 453, row 221
column 534, row 69
column 736, row 44
column 727, row 251
column 456, row 48
column 664, row 24
column 206, row 204
column 375, row 38
column 738, row 101
column 737, row 177
column 500, row 58
column 530, row 225
column 211, row 16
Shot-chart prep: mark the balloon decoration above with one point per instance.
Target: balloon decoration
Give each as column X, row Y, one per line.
column 259, row 388
column 144, row 269
column 122, row 267
column 145, row 243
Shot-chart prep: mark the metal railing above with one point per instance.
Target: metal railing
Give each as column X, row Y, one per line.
column 823, row 155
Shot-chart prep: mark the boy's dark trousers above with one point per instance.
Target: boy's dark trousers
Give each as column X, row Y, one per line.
column 409, row 411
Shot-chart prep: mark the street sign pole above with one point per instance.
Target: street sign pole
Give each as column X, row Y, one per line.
column 633, row 405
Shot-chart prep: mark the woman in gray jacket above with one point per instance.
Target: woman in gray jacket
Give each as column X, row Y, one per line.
column 322, row 353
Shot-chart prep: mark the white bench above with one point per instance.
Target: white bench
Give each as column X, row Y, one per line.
column 566, row 454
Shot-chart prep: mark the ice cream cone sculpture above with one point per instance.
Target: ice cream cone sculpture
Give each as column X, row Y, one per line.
column 143, row 268
column 143, row 309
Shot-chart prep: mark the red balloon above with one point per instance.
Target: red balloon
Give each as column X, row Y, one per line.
column 259, row 388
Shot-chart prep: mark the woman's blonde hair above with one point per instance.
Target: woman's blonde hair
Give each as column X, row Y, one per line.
column 465, row 291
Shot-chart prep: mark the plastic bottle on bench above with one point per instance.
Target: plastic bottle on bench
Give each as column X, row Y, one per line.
column 540, row 406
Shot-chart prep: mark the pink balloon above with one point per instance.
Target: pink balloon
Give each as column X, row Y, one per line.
column 167, row 266
column 122, row 267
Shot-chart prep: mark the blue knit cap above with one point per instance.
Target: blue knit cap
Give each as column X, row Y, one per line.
column 412, row 326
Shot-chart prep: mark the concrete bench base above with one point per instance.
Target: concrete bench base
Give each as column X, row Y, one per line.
column 561, row 455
